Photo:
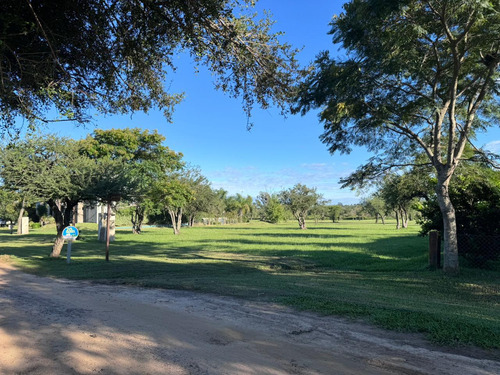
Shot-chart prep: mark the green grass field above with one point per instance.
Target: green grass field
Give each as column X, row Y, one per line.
column 361, row 270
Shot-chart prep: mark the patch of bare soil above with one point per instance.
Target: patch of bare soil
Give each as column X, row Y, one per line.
column 52, row 326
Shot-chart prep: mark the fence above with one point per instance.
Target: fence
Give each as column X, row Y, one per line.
column 479, row 250
column 475, row 250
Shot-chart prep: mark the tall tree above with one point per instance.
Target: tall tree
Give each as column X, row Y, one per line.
column 335, row 212
column 9, row 206
column 220, row 205
column 52, row 169
column 397, row 197
column 320, row 210
column 240, row 206
column 204, row 197
column 271, row 210
column 300, row 199
column 113, row 56
column 146, row 160
column 173, row 193
column 376, row 206
column 419, row 75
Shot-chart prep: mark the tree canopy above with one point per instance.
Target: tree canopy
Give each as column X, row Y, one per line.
column 173, row 193
column 9, row 202
column 114, row 56
column 475, row 191
column 132, row 145
column 131, row 160
column 300, row 199
column 271, row 210
column 420, row 74
column 51, row 169
column 205, row 196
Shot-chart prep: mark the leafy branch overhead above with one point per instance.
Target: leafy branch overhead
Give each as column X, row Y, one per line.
column 420, row 75
column 114, row 56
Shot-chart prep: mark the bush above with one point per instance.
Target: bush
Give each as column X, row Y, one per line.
column 476, row 200
column 274, row 212
column 479, row 249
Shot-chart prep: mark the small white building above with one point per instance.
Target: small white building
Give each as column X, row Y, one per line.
column 89, row 212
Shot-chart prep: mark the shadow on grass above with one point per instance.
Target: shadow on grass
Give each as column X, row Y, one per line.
column 327, row 276
column 304, row 250
column 301, row 234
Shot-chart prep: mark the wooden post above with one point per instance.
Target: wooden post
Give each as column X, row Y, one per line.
column 434, row 250
column 112, row 198
column 108, row 214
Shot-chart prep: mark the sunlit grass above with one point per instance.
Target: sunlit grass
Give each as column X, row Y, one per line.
column 355, row 269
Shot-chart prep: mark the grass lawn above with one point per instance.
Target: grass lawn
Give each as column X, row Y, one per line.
column 354, row 269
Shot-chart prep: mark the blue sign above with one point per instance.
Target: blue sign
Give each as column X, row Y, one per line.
column 70, row 233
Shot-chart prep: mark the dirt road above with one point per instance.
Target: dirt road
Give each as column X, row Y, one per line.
column 52, row 326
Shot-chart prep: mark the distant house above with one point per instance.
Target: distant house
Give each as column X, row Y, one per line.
column 88, row 212
column 84, row 212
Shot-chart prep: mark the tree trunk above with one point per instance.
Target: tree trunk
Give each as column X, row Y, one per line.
column 397, row 219
column 20, row 217
column 133, row 220
column 68, row 212
column 376, row 218
column 58, row 245
column 383, row 219
column 302, row 223
column 137, row 220
column 55, row 207
column 62, row 215
column 179, row 220
column 404, row 217
column 74, row 214
column 173, row 217
column 450, row 264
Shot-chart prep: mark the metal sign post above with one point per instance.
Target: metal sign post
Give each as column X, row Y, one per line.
column 70, row 234
column 112, row 198
column 68, row 252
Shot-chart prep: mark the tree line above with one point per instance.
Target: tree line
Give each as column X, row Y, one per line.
column 151, row 181
column 156, row 186
column 132, row 166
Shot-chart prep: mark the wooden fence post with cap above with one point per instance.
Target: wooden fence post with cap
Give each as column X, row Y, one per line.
column 434, row 250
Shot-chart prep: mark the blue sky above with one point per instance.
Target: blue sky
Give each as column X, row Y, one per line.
column 209, row 128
